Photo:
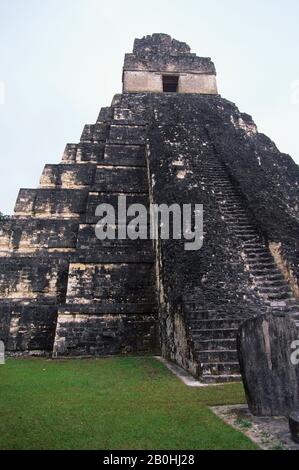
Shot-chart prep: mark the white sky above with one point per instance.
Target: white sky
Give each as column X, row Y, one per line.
column 61, row 61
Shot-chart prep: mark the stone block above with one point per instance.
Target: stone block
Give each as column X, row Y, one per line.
column 124, row 155
column 67, row 176
column 26, row 279
column 91, row 249
column 30, row 235
column 31, row 328
column 105, row 335
column 96, row 198
column 90, row 152
column 95, row 132
column 294, row 425
column 114, row 283
column 120, row 179
column 270, row 378
column 131, row 135
column 105, row 115
column 5, row 314
column 51, row 203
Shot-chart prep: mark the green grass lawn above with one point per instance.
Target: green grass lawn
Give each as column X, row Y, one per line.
column 117, row 403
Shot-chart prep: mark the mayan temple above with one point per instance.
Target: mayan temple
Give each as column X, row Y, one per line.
column 168, row 138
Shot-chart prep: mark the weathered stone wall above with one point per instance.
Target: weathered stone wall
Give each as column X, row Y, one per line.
column 111, row 283
column 60, row 284
column 23, row 278
column 113, row 278
column 26, row 236
column 197, row 83
column 102, row 335
column 267, row 178
column 31, row 328
column 234, row 275
column 110, row 305
column 158, row 54
column 107, row 179
column 180, row 155
column 46, row 203
column 143, row 81
column 5, row 315
column 51, row 257
column 67, row 176
column 271, row 379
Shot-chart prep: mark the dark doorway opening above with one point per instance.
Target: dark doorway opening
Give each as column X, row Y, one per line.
column 170, row 83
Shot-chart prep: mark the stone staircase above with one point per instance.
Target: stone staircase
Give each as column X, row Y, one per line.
column 213, row 331
column 214, row 340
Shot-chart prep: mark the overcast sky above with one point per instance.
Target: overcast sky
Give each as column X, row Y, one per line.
column 61, row 60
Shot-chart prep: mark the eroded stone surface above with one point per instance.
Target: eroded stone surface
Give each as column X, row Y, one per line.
column 268, row 432
column 271, row 379
column 162, row 148
column 294, row 425
column 158, row 55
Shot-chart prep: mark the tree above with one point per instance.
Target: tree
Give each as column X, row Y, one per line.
column 3, row 216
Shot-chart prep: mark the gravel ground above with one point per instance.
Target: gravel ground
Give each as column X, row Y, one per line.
column 270, row 433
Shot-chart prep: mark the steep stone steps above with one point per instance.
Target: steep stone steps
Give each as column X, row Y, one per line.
column 215, row 324
column 246, row 236
column 220, row 369
column 269, row 297
column 276, row 282
column 236, row 219
column 263, row 271
column 274, row 290
column 275, row 276
column 243, row 229
column 195, row 314
column 223, row 333
column 232, row 206
column 240, row 225
column 255, row 249
column 219, row 378
column 233, row 213
column 266, row 275
column 214, row 339
column 262, row 255
column 214, row 356
column 213, row 333
column 218, row 344
column 257, row 265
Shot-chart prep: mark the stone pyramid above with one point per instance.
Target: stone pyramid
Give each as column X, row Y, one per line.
column 168, row 138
